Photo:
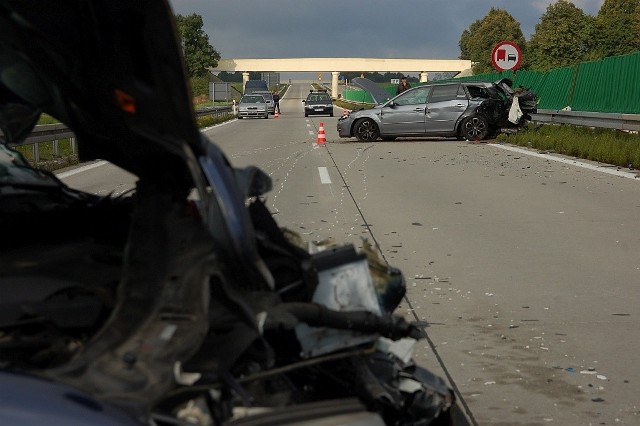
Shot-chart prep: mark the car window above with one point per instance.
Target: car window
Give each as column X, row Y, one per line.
column 461, row 93
column 482, row 92
column 413, row 97
column 253, row 100
column 447, row 92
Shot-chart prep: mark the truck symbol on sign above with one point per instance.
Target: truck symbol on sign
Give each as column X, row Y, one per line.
column 501, row 55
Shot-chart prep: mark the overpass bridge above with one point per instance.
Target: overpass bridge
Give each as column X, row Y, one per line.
column 338, row 65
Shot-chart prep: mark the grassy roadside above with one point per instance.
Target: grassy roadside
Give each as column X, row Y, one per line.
column 607, row 146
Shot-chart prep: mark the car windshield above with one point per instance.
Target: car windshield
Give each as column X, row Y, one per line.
column 319, row 98
column 416, row 96
column 253, row 100
column 483, row 92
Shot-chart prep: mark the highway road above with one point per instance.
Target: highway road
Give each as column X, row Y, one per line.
column 525, row 269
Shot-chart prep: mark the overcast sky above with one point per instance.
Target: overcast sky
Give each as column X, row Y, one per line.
column 426, row 29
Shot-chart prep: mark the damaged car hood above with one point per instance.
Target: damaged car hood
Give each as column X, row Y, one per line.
column 116, row 62
column 378, row 94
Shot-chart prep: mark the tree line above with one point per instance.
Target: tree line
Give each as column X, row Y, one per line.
column 564, row 36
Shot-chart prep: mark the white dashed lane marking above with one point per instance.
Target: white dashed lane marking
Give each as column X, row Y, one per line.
column 324, row 175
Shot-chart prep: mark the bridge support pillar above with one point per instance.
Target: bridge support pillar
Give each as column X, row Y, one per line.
column 245, row 78
column 424, row 77
column 334, row 84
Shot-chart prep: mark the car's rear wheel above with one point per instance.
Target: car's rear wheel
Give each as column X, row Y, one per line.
column 367, row 130
column 474, row 128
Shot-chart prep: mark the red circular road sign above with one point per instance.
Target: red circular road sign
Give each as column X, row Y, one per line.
column 506, row 56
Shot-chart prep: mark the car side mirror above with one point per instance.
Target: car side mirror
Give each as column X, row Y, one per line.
column 391, row 104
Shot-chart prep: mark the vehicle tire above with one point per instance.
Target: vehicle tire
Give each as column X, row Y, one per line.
column 366, row 130
column 239, row 118
column 474, row 128
column 331, row 115
column 306, row 115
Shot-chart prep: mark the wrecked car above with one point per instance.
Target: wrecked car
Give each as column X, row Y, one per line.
column 465, row 110
column 183, row 301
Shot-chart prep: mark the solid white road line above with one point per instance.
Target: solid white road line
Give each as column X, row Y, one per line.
column 615, row 172
column 81, row 169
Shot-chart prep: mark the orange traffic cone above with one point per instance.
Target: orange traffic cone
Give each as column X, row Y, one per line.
column 275, row 114
column 321, row 136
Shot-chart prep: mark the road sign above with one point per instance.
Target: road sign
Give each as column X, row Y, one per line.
column 506, row 55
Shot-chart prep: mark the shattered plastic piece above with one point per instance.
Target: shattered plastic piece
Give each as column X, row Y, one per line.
column 570, row 369
column 601, row 377
column 409, row 386
column 588, row 372
column 597, row 399
column 344, row 284
column 401, row 349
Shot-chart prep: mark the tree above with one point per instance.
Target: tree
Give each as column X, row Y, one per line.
column 617, row 28
column 563, row 37
column 199, row 55
column 477, row 42
column 236, row 77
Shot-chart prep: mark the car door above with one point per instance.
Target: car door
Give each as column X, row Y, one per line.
column 446, row 104
column 405, row 115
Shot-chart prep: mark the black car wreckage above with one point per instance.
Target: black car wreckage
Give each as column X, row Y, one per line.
column 183, row 301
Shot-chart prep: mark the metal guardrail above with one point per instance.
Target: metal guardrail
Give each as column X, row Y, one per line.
column 55, row 132
column 628, row 122
column 49, row 132
column 52, row 132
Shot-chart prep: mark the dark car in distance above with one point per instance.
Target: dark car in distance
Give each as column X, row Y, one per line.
column 465, row 110
column 268, row 97
column 318, row 102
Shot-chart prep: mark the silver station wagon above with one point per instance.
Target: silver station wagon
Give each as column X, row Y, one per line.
column 464, row 110
column 253, row 106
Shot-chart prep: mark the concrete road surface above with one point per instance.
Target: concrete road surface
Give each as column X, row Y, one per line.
column 525, row 270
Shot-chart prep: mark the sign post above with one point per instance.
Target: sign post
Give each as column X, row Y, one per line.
column 506, row 55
